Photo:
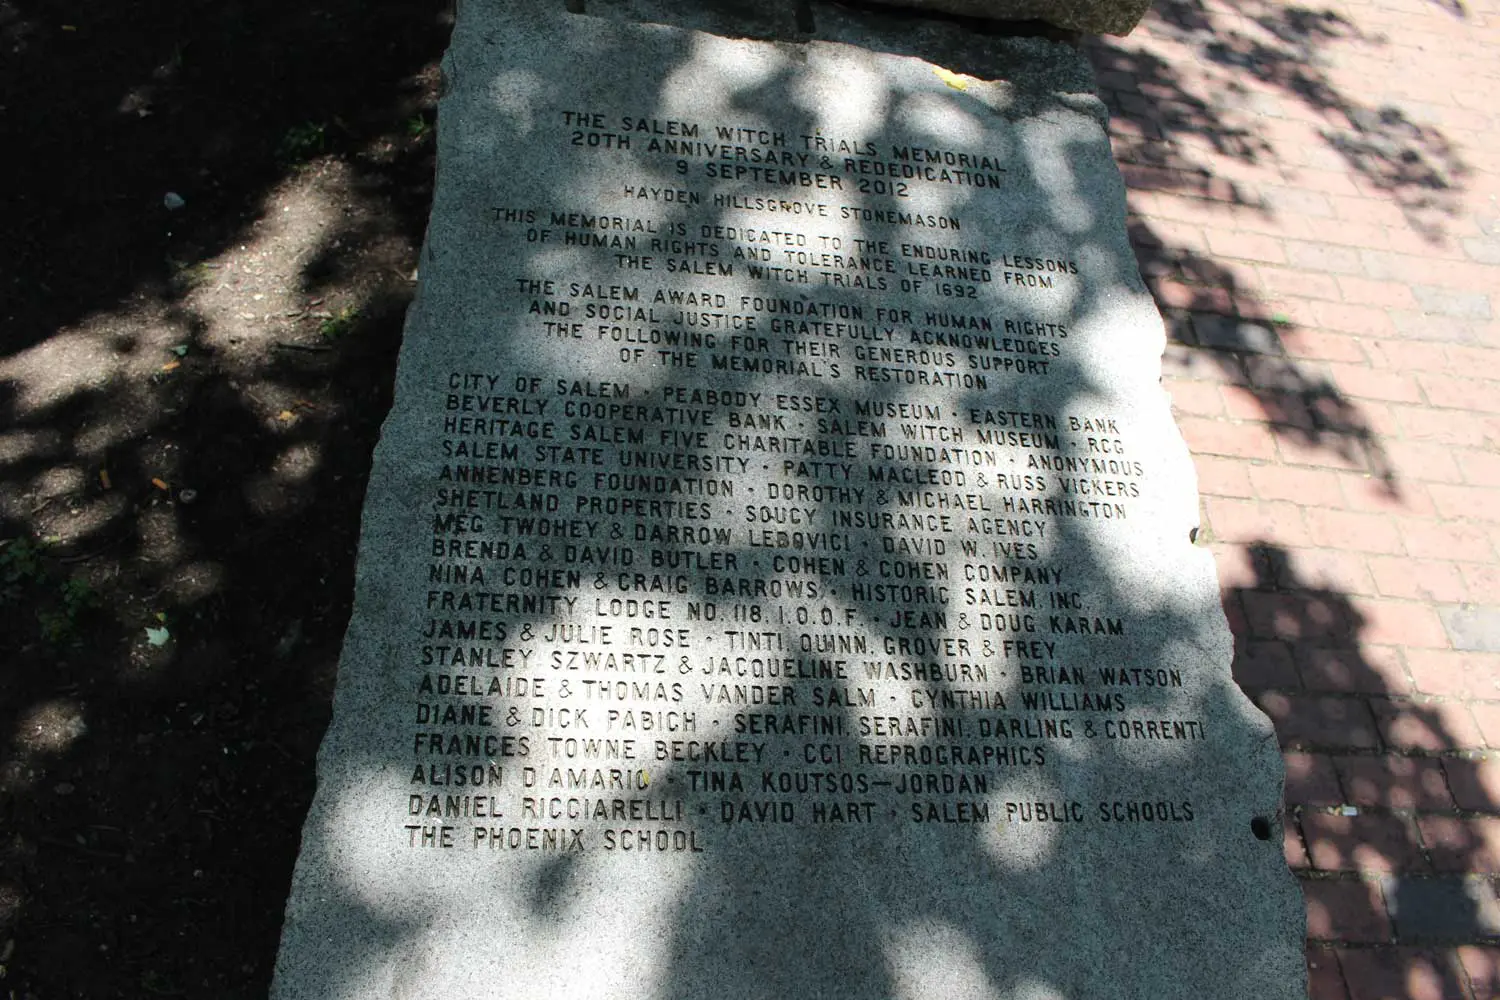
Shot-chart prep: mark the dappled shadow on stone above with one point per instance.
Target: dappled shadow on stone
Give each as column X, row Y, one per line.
column 892, row 909
column 158, row 815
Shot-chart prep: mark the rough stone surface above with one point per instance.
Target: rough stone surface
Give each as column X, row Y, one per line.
column 818, row 492
column 1111, row 17
column 1471, row 628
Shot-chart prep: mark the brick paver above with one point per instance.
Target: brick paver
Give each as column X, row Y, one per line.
column 1314, row 196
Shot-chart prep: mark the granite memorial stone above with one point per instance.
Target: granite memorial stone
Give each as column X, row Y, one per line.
column 776, row 576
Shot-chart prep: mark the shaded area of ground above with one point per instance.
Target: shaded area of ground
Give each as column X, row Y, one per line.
column 188, row 399
column 1372, row 786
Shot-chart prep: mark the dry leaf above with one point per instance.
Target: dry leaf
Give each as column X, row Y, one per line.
column 951, row 78
column 286, row 416
column 160, row 484
column 104, row 479
column 170, row 365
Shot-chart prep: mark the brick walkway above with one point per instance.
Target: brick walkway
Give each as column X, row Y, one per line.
column 1315, row 199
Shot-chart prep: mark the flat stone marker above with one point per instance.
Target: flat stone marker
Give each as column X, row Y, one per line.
column 776, row 577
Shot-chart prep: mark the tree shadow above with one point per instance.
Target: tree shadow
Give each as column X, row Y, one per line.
column 151, row 793
column 1207, row 306
column 747, row 901
column 177, row 459
column 213, row 103
column 1281, row 47
column 1198, row 134
column 1380, row 786
column 1373, row 772
column 1455, row 7
column 131, row 829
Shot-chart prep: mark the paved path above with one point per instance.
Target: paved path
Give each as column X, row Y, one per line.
column 1315, row 199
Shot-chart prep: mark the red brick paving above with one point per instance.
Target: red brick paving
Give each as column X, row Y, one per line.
column 1378, row 974
column 1314, row 195
column 1482, row 966
column 1347, row 910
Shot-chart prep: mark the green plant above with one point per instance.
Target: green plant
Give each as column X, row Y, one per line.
column 20, row 566
column 24, row 575
column 302, row 142
column 417, row 127
column 339, row 325
column 78, row 597
column 59, row 622
column 186, row 276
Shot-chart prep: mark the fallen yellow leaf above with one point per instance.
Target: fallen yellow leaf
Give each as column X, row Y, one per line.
column 160, row 484
column 104, row 478
column 170, row 365
column 951, row 78
column 285, row 416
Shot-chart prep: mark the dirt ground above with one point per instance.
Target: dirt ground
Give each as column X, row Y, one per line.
column 210, row 227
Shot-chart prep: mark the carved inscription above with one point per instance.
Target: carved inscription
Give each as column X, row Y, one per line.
column 808, row 577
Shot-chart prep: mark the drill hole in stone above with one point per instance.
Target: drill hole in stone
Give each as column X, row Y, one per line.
column 1261, row 827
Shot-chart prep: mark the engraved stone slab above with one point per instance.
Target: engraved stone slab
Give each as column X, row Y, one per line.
column 775, row 576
